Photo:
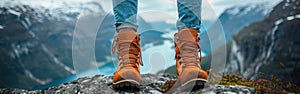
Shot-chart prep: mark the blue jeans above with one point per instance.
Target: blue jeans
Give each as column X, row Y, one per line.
column 189, row 11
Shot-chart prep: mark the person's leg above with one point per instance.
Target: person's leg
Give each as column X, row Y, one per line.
column 127, row 44
column 125, row 12
column 189, row 14
column 190, row 74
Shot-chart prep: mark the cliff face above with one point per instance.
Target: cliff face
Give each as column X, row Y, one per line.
column 270, row 46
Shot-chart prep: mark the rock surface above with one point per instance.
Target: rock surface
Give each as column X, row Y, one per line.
column 102, row 84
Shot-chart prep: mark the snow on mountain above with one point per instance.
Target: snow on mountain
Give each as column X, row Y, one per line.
column 62, row 9
column 269, row 46
column 36, row 39
column 235, row 18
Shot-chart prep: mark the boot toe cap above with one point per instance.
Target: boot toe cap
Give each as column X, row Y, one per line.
column 126, row 74
column 192, row 73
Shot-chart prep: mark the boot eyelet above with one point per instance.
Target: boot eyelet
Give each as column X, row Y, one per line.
column 177, row 38
column 180, row 62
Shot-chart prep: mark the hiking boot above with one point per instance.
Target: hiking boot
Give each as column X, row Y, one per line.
column 127, row 75
column 190, row 74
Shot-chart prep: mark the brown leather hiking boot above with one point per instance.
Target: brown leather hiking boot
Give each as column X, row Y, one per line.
column 127, row 75
column 191, row 75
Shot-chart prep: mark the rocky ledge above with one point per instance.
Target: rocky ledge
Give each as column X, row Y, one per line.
column 155, row 84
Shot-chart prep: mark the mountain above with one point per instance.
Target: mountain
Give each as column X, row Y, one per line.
column 269, row 47
column 36, row 41
column 233, row 19
column 28, row 56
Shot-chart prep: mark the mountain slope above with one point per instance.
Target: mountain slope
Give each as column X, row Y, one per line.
column 233, row 19
column 26, row 47
column 36, row 41
column 269, row 47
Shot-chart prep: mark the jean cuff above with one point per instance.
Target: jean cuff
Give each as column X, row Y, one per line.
column 126, row 25
column 197, row 28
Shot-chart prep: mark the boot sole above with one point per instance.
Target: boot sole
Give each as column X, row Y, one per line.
column 126, row 85
column 193, row 85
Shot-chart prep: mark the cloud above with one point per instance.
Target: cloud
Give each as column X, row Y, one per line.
column 165, row 7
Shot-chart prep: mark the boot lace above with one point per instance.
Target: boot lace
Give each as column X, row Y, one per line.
column 188, row 51
column 129, row 52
